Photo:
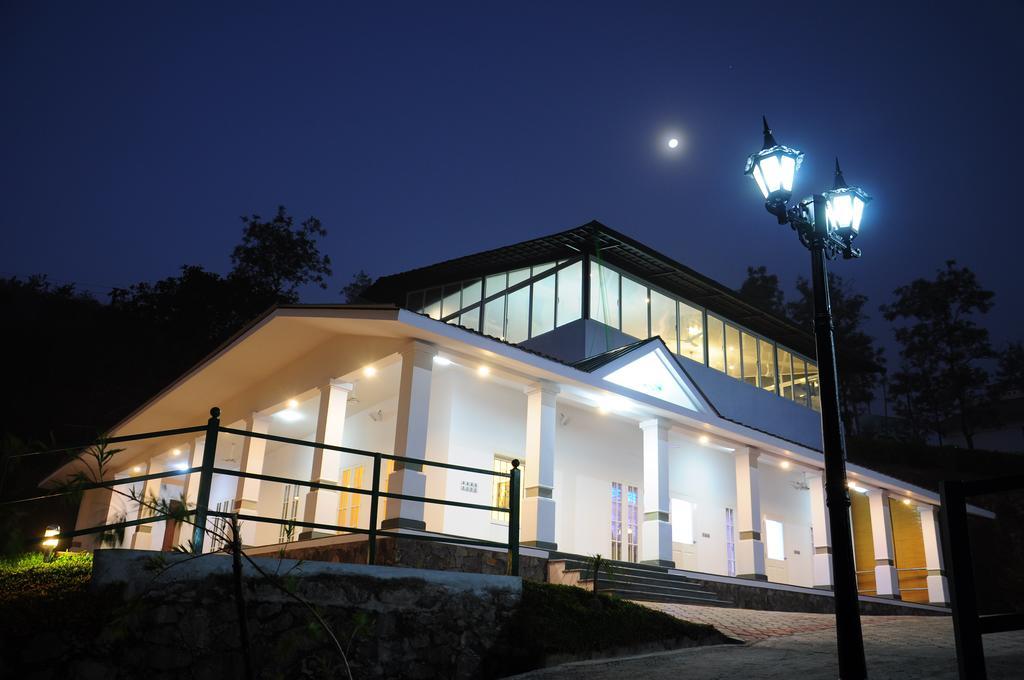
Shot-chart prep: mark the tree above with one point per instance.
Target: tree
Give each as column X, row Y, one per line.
column 762, row 289
column 276, row 257
column 1010, row 372
column 941, row 346
column 353, row 291
column 859, row 362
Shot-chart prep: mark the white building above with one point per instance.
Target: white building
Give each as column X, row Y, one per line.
column 660, row 418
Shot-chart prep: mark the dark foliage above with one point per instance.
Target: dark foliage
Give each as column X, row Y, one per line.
column 941, row 347
column 860, row 363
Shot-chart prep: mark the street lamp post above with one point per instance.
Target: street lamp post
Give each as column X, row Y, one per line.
column 826, row 224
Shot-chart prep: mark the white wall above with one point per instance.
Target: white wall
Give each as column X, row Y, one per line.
column 782, row 502
column 592, row 451
column 485, row 419
column 706, row 477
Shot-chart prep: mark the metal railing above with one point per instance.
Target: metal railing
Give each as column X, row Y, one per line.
column 207, row 469
column 968, row 625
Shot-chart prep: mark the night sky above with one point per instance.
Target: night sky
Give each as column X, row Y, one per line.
column 132, row 138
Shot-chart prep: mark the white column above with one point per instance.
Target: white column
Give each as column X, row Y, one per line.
column 191, row 492
column 938, row 587
column 142, row 538
column 322, row 504
column 411, row 437
column 822, row 563
column 247, row 491
column 656, row 537
column 93, row 511
column 750, row 547
column 886, row 579
column 538, row 513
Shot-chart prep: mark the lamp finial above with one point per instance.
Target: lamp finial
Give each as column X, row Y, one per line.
column 840, row 183
column 769, row 139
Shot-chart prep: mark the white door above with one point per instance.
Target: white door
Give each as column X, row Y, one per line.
column 775, row 551
column 684, row 543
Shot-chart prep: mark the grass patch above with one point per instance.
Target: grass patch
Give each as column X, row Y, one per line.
column 560, row 621
column 29, row 576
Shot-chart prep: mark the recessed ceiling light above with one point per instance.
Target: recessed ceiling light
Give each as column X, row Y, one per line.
column 137, row 468
column 906, row 501
column 483, row 371
column 784, row 465
column 369, row 371
column 175, row 452
column 704, row 439
column 293, row 403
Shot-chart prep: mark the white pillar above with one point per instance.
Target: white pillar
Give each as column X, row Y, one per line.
column 191, row 492
column 322, row 504
column 887, row 582
column 247, row 491
column 142, row 538
column 750, row 547
column 538, row 513
column 93, row 511
column 938, row 587
column 822, row 563
column 411, row 437
column 656, row 537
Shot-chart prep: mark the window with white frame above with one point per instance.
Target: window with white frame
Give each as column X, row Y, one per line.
column 616, row 523
column 289, row 511
column 500, row 488
column 774, row 540
column 730, row 542
column 632, row 524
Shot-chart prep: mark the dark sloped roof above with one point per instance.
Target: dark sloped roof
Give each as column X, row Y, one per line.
column 591, row 364
column 614, row 248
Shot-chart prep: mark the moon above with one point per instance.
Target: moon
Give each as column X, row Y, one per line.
column 673, row 143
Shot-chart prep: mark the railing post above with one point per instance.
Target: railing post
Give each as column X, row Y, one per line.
column 205, row 480
column 371, row 541
column 513, row 519
column 970, row 654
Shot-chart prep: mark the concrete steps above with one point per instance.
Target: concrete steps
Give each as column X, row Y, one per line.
column 633, row 582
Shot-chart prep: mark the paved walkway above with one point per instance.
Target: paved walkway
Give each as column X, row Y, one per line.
column 787, row 645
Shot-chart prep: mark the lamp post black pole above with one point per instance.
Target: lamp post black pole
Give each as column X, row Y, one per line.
column 849, row 638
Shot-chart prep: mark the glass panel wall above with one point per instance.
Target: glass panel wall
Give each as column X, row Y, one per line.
column 517, row 316
column 751, row 372
column 814, row 385
column 624, row 303
column 604, row 295
column 691, row 332
column 543, row 312
column 530, row 311
column 785, row 374
column 767, row 358
column 733, row 360
column 799, row 381
column 716, row 343
column 634, row 309
column 663, row 319
column 569, row 306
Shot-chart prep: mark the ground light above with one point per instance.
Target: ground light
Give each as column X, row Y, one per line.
column 826, row 224
column 51, row 538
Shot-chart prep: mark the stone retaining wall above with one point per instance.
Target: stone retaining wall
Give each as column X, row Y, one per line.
column 395, row 623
